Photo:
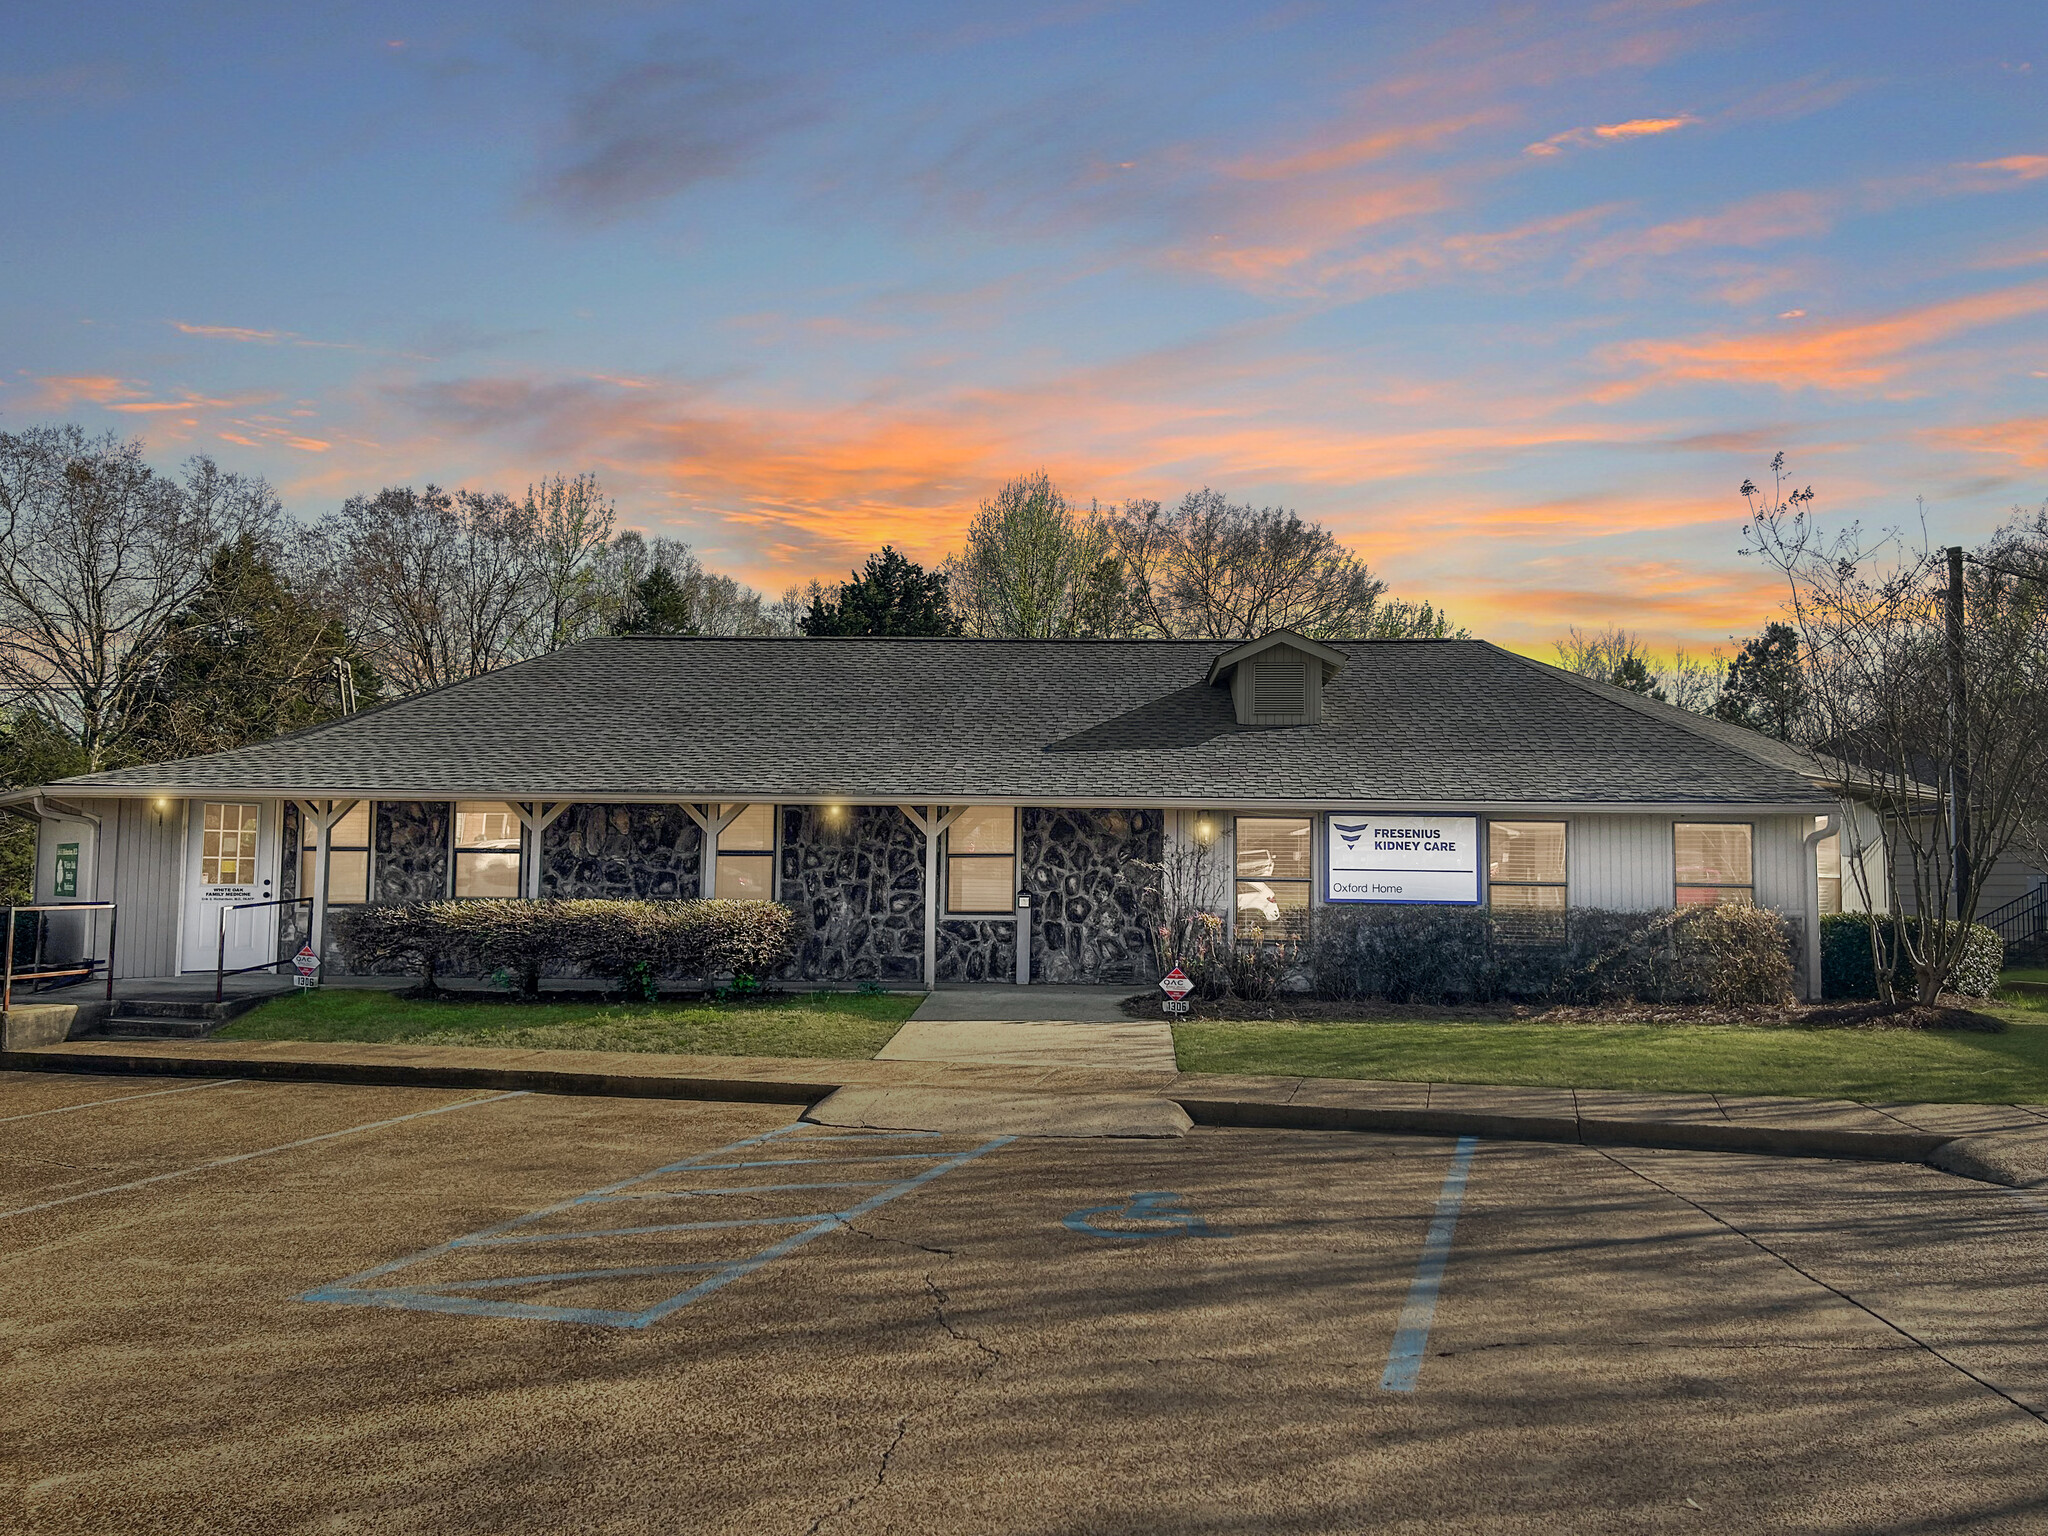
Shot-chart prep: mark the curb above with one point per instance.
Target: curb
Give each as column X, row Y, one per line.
column 1243, row 1114
column 394, row 1075
column 1679, row 1135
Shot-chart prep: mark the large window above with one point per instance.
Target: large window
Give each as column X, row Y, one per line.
column 486, row 848
column 227, row 850
column 1713, row 864
column 1525, row 864
column 348, row 859
column 1274, row 867
column 746, row 856
column 1828, row 856
column 981, row 861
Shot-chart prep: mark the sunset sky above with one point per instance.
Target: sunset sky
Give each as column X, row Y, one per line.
column 1513, row 297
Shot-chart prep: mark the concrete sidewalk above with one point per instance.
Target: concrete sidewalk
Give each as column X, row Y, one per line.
column 2003, row 1143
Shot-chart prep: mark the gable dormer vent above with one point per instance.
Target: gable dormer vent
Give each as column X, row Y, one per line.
column 1280, row 683
column 1277, row 679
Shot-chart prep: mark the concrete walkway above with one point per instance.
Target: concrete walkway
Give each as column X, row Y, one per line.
column 2002, row 1143
column 1025, row 1005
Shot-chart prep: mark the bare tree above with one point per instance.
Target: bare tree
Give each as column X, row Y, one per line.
column 1213, row 569
column 1612, row 655
column 1942, row 731
column 705, row 602
column 571, row 523
column 438, row 587
column 98, row 554
column 1695, row 682
column 1035, row 568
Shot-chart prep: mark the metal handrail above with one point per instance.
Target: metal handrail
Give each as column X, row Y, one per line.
column 2010, row 923
column 10, row 978
column 220, row 955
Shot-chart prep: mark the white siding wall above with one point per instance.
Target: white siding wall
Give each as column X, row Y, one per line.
column 1621, row 863
column 1624, row 863
column 1783, row 865
column 141, row 869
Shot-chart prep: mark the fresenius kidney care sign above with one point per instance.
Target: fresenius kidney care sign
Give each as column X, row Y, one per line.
column 1401, row 858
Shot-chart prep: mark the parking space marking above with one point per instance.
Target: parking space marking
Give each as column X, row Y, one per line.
column 1411, row 1334
column 243, row 1157
column 357, row 1291
column 1154, row 1205
column 154, row 1093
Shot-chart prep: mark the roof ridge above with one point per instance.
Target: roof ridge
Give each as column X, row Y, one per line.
column 1659, row 709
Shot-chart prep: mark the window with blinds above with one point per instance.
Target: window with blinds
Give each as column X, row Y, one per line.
column 1713, row 866
column 348, row 859
column 1828, row 856
column 1525, row 865
column 486, row 848
column 746, row 856
column 981, row 861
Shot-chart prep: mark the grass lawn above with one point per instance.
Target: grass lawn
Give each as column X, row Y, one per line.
column 845, row 1024
column 1846, row 1063
column 2024, row 973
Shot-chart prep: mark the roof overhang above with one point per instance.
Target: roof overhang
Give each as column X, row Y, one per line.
column 1433, row 806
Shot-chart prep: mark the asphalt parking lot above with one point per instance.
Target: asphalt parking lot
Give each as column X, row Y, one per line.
column 276, row 1307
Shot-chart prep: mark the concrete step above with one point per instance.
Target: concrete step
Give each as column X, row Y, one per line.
column 157, row 1026
column 172, row 1018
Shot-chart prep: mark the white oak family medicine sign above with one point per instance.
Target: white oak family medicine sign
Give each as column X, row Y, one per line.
column 1401, row 858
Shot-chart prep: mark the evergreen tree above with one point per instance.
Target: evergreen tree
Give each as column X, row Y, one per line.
column 892, row 596
column 248, row 659
column 661, row 605
column 1766, row 688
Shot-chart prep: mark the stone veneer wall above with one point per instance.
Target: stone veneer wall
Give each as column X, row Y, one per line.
column 1092, row 922
column 857, row 883
column 621, row 853
column 409, row 850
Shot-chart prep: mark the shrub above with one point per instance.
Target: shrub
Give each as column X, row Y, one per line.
column 1845, row 966
column 393, row 933
column 1727, row 955
column 631, row 942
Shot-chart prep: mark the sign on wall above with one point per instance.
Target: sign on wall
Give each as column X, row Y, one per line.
column 65, row 882
column 1401, row 858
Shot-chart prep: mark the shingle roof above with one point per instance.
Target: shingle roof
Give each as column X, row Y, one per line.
column 1106, row 722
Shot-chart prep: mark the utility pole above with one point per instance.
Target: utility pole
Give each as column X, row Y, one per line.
column 1958, row 738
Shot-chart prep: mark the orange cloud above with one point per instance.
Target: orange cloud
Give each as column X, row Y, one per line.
column 1359, row 150
column 1756, row 221
column 2025, row 167
column 57, row 392
column 2023, row 439
column 1861, row 356
column 1634, row 128
column 227, row 332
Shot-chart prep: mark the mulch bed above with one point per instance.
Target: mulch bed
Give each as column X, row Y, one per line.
column 1952, row 1013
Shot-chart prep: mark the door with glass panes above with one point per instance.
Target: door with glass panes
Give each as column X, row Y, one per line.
column 232, row 849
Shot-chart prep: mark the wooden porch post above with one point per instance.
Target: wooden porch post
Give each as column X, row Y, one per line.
column 711, row 820
column 932, row 821
column 318, row 818
column 536, row 816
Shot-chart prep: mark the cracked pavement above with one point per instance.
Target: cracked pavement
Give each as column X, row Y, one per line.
column 1624, row 1340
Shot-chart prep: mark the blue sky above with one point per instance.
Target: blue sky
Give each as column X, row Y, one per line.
column 1514, row 297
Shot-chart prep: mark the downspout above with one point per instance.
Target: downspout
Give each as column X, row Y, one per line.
column 1827, row 828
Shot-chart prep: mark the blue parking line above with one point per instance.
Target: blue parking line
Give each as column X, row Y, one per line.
column 357, row 1290
column 1411, row 1335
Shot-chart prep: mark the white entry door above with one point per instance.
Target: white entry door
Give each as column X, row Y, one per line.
column 233, row 849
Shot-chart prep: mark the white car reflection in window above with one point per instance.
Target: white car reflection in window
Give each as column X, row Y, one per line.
column 1256, row 899
column 1254, row 864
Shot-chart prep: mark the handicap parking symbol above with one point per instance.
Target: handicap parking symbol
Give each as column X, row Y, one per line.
column 1162, row 1213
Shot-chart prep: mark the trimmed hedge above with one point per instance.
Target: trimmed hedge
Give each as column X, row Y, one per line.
column 632, row 942
column 1726, row 955
column 1845, row 969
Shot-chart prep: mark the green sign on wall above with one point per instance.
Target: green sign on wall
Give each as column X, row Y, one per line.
column 66, row 883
